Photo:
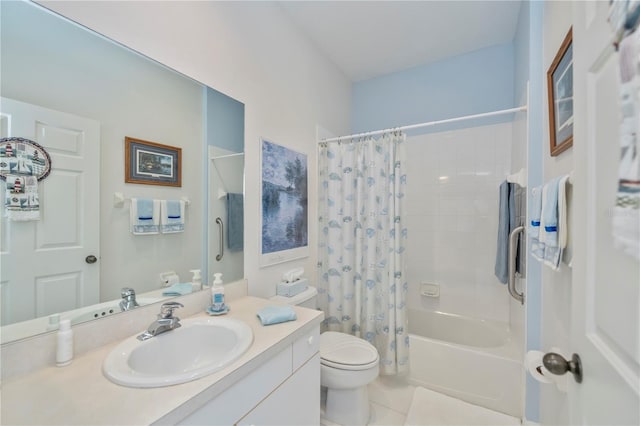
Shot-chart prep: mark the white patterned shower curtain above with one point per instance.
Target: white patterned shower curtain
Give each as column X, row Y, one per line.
column 361, row 283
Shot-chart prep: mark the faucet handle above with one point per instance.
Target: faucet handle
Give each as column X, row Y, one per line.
column 166, row 310
column 127, row 291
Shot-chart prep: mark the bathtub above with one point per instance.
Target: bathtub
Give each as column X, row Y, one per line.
column 474, row 360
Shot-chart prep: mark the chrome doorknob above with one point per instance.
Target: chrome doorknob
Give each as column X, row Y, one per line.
column 556, row 364
column 91, row 259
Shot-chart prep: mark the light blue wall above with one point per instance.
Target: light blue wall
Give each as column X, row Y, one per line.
column 225, row 121
column 473, row 83
column 534, row 268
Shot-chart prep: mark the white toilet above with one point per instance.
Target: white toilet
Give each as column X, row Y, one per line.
column 347, row 365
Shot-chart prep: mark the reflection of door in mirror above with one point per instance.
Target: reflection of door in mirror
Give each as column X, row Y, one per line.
column 43, row 262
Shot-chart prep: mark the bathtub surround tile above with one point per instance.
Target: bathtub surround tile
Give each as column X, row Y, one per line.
column 430, row 408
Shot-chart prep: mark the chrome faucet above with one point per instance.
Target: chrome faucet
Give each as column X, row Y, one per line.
column 165, row 322
column 128, row 301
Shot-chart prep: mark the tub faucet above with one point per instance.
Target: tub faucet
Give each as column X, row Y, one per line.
column 128, row 301
column 165, row 322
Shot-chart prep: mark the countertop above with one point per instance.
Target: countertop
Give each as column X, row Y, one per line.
column 79, row 394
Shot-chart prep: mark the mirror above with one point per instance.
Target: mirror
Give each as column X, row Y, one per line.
column 80, row 95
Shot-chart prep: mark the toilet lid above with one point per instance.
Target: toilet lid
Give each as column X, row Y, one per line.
column 346, row 352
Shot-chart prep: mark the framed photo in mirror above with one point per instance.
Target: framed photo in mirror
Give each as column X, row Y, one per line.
column 560, row 98
column 152, row 163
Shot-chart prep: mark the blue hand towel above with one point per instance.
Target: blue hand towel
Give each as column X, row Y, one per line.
column 502, row 255
column 535, row 213
column 178, row 289
column 235, row 221
column 550, row 214
column 172, row 216
column 276, row 314
column 144, row 216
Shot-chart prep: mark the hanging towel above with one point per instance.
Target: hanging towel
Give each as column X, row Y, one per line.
column 535, row 212
column 510, row 216
column 172, row 216
column 563, row 233
column 144, row 215
column 502, row 254
column 626, row 211
column 235, row 222
column 21, row 199
column 549, row 224
column 519, row 196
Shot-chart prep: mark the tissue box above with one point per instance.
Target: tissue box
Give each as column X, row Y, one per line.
column 291, row 289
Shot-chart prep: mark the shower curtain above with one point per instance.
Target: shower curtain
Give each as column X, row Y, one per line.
column 361, row 283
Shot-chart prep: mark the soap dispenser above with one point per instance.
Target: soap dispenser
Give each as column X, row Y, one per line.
column 217, row 293
column 196, row 280
column 64, row 350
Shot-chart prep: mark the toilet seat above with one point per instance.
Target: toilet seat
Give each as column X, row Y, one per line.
column 346, row 352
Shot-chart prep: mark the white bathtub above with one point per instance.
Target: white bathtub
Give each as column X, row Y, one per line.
column 473, row 360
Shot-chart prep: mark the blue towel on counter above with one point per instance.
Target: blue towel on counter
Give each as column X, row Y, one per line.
column 178, row 289
column 276, row 314
column 144, row 216
column 235, row 222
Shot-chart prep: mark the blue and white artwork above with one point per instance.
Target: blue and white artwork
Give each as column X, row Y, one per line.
column 284, row 199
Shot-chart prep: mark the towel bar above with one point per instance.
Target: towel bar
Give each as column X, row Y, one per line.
column 511, row 284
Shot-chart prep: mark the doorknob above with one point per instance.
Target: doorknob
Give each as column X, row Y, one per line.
column 91, row 259
column 556, row 364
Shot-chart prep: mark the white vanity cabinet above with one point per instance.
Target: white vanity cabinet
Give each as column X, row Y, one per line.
column 283, row 390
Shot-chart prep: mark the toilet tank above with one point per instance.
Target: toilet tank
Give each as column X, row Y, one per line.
column 306, row 299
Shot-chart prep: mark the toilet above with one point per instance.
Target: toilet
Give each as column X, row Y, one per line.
column 347, row 365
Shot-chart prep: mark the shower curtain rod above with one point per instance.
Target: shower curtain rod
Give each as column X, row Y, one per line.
column 427, row 124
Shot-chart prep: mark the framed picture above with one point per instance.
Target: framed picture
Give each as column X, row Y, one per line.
column 284, row 214
column 560, row 89
column 151, row 163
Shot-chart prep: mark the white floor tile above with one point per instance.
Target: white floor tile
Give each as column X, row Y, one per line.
column 383, row 416
column 431, row 408
column 392, row 393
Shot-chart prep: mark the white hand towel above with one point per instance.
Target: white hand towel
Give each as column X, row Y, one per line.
column 21, row 199
column 172, row 216
column 535, row 215
column 144, row 216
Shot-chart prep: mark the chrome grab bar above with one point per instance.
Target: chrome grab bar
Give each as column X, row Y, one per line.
column 511, row 284
column 221, row 226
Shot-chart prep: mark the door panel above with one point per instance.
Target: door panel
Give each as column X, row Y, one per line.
column 43, row 262
column 605, row 328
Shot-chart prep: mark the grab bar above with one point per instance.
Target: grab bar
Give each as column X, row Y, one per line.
column 221, row 226
column 512, row 265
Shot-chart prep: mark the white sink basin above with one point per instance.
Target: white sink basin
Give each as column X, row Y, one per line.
column 200, row 347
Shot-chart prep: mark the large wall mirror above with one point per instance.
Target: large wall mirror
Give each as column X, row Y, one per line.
column 79, row 95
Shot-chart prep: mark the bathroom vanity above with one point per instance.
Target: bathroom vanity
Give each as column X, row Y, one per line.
column 276, row 381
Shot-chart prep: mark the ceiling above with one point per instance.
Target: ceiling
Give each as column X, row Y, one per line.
column 366, row 39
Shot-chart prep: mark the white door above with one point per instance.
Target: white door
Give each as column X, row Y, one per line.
column 43, row 268
column 606, row 283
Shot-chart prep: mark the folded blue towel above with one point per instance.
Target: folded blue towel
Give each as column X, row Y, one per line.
column 276, row 314
column 178, row 289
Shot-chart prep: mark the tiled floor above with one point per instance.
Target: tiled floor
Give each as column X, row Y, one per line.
column 395, row 403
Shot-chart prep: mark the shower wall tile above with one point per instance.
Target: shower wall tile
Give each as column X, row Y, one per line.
column 451, row 213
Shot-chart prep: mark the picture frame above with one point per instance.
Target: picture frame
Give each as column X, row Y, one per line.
column 560, row 97
column 284, row 214
column 151, row 163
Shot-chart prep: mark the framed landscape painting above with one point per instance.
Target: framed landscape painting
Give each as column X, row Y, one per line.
column 284, row 212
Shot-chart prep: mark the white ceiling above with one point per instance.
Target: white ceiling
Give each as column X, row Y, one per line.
column 366, row 39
